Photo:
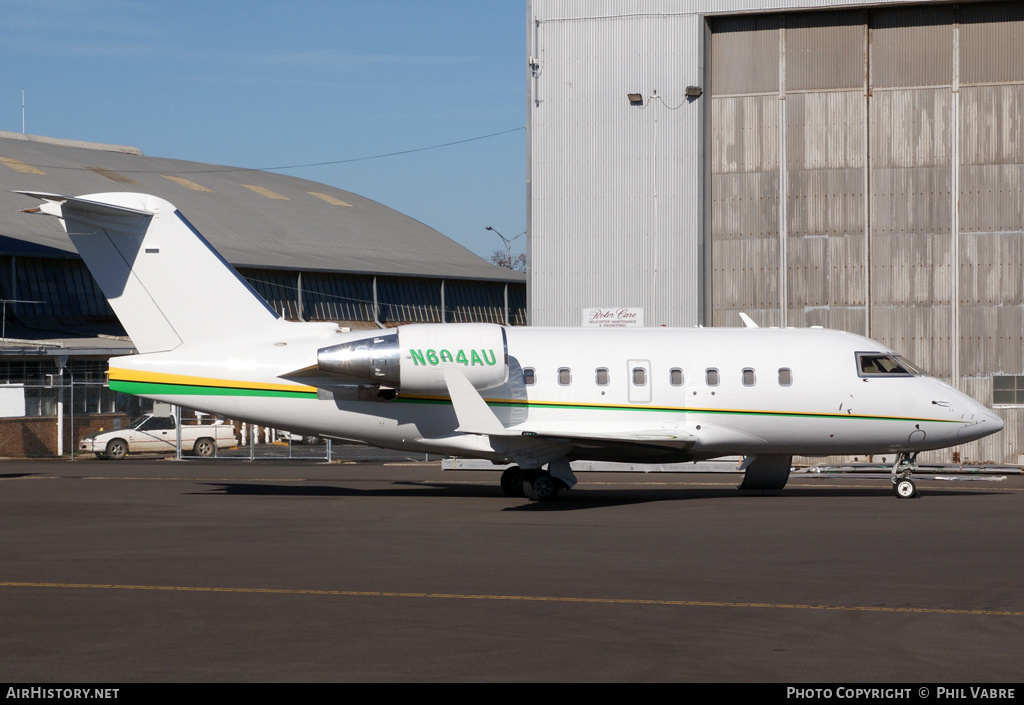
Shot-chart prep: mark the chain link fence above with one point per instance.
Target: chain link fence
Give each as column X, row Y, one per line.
column 86, row 420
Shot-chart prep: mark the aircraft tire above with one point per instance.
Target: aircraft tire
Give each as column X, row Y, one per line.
column 540, row 487
column 117, row 449
column 205, row 447
column 512, row 482
column 905, row 489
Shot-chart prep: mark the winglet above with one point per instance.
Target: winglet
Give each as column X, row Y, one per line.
column 472, row 411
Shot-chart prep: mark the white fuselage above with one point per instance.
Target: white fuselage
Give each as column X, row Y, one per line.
column 733, row 391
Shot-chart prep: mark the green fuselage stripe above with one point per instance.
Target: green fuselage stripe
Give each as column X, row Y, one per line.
column 675, row 410
column 161, row 389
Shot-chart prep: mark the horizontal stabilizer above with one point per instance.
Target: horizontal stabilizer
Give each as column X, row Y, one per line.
column 55, row 205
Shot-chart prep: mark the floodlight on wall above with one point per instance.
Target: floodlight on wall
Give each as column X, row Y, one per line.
column 694, row 91
column 635, row 98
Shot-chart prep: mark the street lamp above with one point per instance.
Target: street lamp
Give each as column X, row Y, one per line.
column 508, row 243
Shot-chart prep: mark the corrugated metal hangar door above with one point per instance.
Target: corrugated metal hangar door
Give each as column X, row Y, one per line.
column 866, row 174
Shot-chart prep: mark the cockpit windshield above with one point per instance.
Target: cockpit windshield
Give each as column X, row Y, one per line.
column 886, row 365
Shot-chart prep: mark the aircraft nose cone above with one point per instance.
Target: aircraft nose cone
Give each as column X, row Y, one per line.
column 993, row 422
column 986, row 424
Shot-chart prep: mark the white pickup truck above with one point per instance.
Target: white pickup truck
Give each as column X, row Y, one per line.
column 158, row 434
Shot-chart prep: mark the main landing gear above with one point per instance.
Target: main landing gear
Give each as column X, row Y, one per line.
column 536, row 485
column 902, row 484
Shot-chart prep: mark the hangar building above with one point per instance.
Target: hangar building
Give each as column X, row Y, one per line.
column 854, row 165
column 312, row 251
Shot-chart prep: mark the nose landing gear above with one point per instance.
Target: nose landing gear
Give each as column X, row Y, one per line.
column 902, row 484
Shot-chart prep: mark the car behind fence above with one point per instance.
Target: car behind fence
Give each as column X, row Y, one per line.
column 61, row 420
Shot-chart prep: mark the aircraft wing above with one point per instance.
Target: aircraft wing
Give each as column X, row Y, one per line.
column 670, row 438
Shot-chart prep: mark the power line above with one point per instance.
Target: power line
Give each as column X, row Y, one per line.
column 294, row 166
column 395, row 154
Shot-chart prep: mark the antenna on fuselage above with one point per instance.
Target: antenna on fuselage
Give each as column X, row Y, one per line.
column 747, row 320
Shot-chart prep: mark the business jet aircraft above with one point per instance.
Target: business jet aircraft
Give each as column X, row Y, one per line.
column 538, row 398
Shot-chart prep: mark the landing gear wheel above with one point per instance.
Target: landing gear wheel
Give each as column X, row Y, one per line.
column 902, row 484
column 905, row 488
column 540, row 487
column 205, row 447
column 512, row 482
column 117, row 449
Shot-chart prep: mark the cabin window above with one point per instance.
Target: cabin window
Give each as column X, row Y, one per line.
column 529, row 376
column 885, row 365
column 639, row 376
column 601, row 376
column 1008, row 389
column 712, row 377
column 564, row 376
column 749, row 378
column 675, row 377
column 785, row 377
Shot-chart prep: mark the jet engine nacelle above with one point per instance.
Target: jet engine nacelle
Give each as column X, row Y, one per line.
column 413, row 357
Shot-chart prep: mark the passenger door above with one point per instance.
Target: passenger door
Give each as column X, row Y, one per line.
column 638, row 375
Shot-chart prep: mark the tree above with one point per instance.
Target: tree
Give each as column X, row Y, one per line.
column 502, row 258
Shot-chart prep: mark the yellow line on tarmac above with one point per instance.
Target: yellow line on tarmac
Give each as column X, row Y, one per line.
column 521, row 598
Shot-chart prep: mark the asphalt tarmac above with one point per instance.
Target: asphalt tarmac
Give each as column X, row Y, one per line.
column 232, row 571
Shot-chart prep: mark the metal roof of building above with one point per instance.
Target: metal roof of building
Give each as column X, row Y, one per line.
column 253, row 218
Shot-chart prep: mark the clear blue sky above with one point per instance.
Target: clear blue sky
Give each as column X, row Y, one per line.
column 264, row 84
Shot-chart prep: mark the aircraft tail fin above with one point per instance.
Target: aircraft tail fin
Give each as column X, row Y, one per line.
column 165, row 282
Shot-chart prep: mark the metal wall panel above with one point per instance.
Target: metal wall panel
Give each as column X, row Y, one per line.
column 615, row 200
column 745, row 55
column 825, row 202
column 330, row 297
column 912, row 46
column 991, row 119
column 745, row 205
column 991, row 42
column 818, row 54
column 991, row 198
column 909, row 269
column 746, row 274
column 406, row 300
column 825, row 129
column 991, row 340
column 847, row 276
column 743, row 133
column 911, row 128
column 473, row 301
column 992, row 271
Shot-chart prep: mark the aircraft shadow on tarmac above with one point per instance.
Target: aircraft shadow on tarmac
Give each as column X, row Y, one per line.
column 576, row 500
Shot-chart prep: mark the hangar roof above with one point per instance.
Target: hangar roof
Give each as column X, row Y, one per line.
column 254, row 218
